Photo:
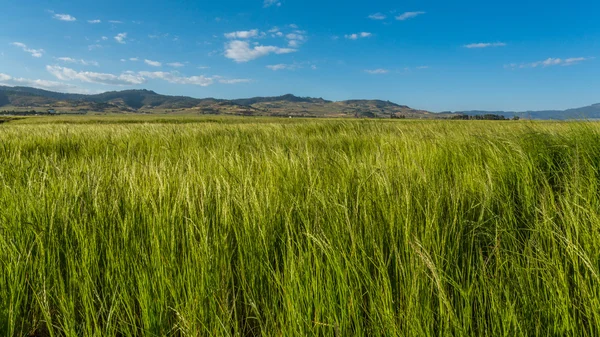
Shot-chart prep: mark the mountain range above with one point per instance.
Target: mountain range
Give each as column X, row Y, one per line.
column 147, row 101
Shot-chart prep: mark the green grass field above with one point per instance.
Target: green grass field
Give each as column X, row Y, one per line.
column 164, row 226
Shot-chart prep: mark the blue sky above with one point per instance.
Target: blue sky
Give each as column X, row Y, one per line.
column 435, row 55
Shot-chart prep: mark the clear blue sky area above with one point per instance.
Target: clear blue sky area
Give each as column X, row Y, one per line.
column 431, row 54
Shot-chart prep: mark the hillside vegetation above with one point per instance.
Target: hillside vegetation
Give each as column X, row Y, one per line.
column 146, row 101
column 271, row 227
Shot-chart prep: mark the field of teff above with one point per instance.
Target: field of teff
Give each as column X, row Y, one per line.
column 276, row 227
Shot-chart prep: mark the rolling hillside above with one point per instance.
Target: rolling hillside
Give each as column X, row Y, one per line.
column 146, row 101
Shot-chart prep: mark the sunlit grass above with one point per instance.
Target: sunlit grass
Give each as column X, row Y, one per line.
column 275, row 227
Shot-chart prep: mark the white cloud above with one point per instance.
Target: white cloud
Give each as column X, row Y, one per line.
column 234, row 81
column 153, row 63
column 40, row 84
column 423, row 67
column 296, row 38
column 67, row 74
column 34, row 52
column 377, row 16
column 313, row 67
column 293, row 26
column 94, row 46
column 269, row 3
column 64, row 17
column 121, row 38
column 134, row 59
column 485, row 45
column 115, row 21
column 203, row 67
column 172, row 77
column 276, row 67
column 176, row 64
column 408, row 15
column 176, row 78
column 377, row 71
column 81, row 61
column 94, row 21
column 549, row 62
column 240, row 51
column 357, row 35
column 243, row 34
column 293, row 66
column 273, row 30
column 104, row 38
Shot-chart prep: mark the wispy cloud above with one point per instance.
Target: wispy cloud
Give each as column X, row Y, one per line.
column 240, row 51
column 40, row 84
column 357, row 35
column 117, row 22
column 120, row 38
column 64, row 17
column 377, row 16
column 234, row 80
column 153, row 63
column 408, row 15
column 242, row 34
column 34, row 52
column 176, row 64
column 485, row 45
column 201, row 80
column 134, row 59
column 281, row 66
column 67, row 74
column 293, row 66
column 296, row 38
column 377, row 71
column 269, row 3
column 94, row 21
column 173, row 77
column 549, row 62
column 80, row 61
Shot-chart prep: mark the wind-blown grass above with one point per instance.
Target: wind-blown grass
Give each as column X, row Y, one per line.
column 263, row 227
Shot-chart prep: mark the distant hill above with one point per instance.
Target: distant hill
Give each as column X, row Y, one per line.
column 586, row 112
column 147, row 101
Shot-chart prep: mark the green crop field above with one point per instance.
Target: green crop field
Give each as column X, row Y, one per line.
column 180, row 226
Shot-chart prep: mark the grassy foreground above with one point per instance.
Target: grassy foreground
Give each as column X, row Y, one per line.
column 262, row 227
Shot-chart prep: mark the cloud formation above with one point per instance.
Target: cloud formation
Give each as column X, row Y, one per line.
column 80, row 61
column 549, row 62
column 408, row 15
column 377, row 71
column 67, row 74
column 240, row 51
column 242, row 34
column 269, row 3
column 485, row 45
column 40, row 84
column 176, row 64
column 152, row 63
column 357, row 35
column 377, row 16
column 34, row 52
column 120, row 38
column 176, row 78
column 94, row 21
column 64, row 17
